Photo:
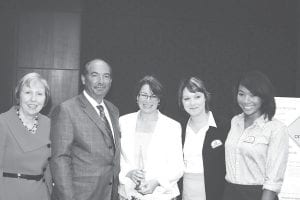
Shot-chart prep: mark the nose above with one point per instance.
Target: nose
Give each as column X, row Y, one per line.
column 192, row 101
column 247, row 99
column 101, row 79
column 33, row 97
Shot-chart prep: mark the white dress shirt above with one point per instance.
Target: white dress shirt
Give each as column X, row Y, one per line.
column 193, row 146
column 94, row 103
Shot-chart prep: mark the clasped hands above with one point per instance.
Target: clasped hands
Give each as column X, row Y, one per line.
column 144, row 187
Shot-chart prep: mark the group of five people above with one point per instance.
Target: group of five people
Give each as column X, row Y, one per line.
column 88, row 152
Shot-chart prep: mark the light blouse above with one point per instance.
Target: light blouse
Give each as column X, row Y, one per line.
column 258, row 154
column 193, row 147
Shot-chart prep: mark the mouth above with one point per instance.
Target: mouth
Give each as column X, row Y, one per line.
column 248, row 107
column 32, row 106
column 100, row 87
column 193, row 108
column 147, row 105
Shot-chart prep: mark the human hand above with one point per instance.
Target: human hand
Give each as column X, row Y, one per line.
column 136, row 175
column 148, row 187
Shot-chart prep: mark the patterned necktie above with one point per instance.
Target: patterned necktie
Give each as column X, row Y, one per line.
column 107, row 126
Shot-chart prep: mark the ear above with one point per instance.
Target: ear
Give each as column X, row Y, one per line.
column 82, row 79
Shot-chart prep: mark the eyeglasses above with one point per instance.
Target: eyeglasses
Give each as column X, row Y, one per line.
column 146, row 97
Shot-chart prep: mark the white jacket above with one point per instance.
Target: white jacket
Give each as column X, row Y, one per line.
column 164, row 157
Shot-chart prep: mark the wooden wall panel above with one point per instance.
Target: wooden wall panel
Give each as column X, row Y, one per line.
column 35, row 42
column 66, row 39
column 7, row 39
column 49, row 40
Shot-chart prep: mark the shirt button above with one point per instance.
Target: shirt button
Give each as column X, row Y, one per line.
column 110, row 147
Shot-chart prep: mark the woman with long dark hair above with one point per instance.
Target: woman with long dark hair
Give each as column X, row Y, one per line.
column 256, row 149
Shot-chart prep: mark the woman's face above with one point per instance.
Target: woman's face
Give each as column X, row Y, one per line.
column 193, row 102
column 32, row 98
column 250, row 104
column 146, row 100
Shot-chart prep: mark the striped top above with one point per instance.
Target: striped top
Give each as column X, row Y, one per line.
column 258, row 154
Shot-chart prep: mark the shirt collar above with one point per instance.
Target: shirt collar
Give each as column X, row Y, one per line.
column 260, row 121
column 211, row 120
column 91, row 100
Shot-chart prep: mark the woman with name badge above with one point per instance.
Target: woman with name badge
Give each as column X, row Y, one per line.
column 203, row 136
column 256, row 149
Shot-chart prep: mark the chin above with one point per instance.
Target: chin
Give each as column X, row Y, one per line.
column 148, row 110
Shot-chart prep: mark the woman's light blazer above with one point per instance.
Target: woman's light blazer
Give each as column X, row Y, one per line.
column 164, row 155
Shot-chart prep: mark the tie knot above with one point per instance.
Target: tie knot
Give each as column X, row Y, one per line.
column 101, row 109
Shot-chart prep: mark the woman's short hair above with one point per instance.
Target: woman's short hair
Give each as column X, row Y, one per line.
column 154, row 84
column 193, row 84
column 259, row 85
column 26, row 81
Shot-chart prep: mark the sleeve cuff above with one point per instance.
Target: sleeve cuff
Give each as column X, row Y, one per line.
column 275, row 187
column 164, row 183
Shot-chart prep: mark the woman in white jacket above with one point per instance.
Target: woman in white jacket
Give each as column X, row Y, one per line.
column 151, row 158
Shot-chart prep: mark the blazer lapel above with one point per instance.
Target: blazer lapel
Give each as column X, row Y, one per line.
column 24, row 138
column 92, row 114
column 114, row 118
column 208, row 138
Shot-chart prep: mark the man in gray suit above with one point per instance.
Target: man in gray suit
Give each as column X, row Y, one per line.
column 85, row 160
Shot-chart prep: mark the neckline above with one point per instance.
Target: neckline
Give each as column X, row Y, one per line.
column 31, row 130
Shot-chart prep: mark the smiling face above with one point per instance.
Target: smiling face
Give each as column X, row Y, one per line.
column 97, row 80
column 193, row 102
column 250, row 104
column 146, row 100
column 32, row 98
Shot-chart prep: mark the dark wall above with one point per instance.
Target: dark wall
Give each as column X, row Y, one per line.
column 217, row 41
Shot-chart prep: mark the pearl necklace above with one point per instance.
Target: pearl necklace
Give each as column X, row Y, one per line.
column 33, row 129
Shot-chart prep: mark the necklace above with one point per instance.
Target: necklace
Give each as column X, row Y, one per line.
column 33, row 129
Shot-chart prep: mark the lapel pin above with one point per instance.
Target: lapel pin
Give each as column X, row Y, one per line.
column 216, row 143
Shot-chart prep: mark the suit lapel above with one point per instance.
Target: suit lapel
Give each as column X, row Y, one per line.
column 92, row 114
column 115, row 125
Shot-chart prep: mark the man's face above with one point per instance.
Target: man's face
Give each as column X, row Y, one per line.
column 97, row 80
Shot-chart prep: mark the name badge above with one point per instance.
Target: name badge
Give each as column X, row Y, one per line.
column 249, row 139
column 214, row 144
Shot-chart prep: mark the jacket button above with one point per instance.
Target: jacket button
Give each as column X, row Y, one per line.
column 48, row 145
column 110, row 183
column 44, row 180
column 110, row 147
column 49, row 158
column 44, row 169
